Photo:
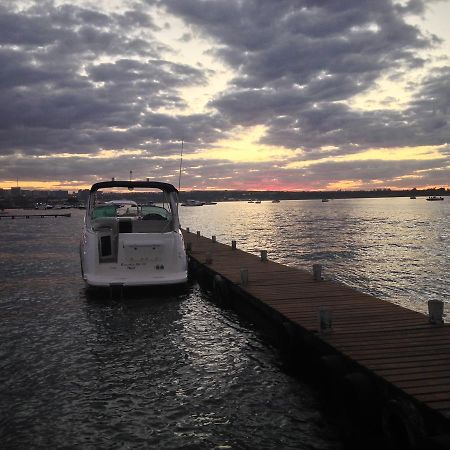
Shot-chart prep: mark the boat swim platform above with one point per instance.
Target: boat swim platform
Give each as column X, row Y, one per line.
column 404, row 356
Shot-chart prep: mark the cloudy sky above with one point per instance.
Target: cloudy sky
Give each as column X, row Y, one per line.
column 265, row 94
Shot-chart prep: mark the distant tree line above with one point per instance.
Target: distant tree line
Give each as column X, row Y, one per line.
column 227, row 195
column 309, row 195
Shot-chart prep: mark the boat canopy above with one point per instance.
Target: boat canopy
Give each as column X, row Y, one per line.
column 165, row 187
column 129, row 209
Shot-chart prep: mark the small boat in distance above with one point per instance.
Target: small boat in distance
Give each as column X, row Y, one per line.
column 257, row 201
column 434, row 199
column 192, row 203
column 126, row 244
column 325, row 200
column 413, row 197
column 276, row 201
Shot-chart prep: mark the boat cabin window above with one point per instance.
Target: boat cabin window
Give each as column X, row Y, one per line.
column 104, row 211
column 146, row 212
column 149, row 211
column 154, row 213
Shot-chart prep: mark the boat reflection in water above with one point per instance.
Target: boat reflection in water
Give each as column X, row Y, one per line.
column 125, row 244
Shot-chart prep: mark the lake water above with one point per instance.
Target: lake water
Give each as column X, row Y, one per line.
column 395, row 248
column 170, row 369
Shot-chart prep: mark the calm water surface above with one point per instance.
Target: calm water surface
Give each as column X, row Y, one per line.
column 157, row 370
column 170, row 369
column 395, row 248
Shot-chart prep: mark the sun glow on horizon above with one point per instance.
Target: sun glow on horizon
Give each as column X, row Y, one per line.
column 244, row 147
column 386, row 154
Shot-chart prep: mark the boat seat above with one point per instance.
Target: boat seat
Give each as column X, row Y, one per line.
column 104, row 223
column 152, row 226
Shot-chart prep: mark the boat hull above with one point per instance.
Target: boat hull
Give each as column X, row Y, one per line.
column 135, row 259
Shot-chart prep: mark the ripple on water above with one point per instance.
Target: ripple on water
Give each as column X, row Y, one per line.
column 172, row 370
column 166, row 371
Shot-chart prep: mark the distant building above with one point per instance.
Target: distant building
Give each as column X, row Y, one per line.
column 83, row 195
column 15, row 192
column 60, row 195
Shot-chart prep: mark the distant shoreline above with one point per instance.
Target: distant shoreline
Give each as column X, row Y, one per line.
column 308, row 195
column 229, row 195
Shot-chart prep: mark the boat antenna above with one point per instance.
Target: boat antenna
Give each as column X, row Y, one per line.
column 181, row 163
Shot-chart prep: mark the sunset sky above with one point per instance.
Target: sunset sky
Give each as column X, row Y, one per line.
column 265, row 94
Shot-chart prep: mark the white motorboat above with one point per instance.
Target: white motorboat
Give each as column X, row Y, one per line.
column 126, row 244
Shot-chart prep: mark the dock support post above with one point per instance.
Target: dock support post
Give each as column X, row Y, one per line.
column 317, row 272
column 244, row 277
column 264, row 255
column 187, row 230
column 208, row 259
column 436, row 311
column 214, row 239
column 198, row 233
column 221, row 291
column 325, row 320
column 233, row 245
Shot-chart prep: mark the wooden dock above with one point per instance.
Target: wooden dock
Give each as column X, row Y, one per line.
column 29, row 216
column 406, row 356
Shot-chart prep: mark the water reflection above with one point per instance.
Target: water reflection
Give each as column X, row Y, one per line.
column 172, row 370
column 160, row 369
column 395, row 248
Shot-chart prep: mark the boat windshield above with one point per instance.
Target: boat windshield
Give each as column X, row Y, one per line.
column 147, row 212
column 104, row 211
column 155, row 212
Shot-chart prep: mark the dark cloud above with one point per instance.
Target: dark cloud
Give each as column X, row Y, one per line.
column 425, row 122
column 80, row 80
column 367, row 173
column 297, row 63
column 293, row 41
column 206, row 173
column 76, row 80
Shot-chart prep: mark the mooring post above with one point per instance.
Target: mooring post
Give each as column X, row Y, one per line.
column 214, row 239
column 317, row 272
column 325, row 320
column 244, row 277
column 264, row 255
column 187, row 230
column 233, row 245
column 436, row 311
column 198, row 233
